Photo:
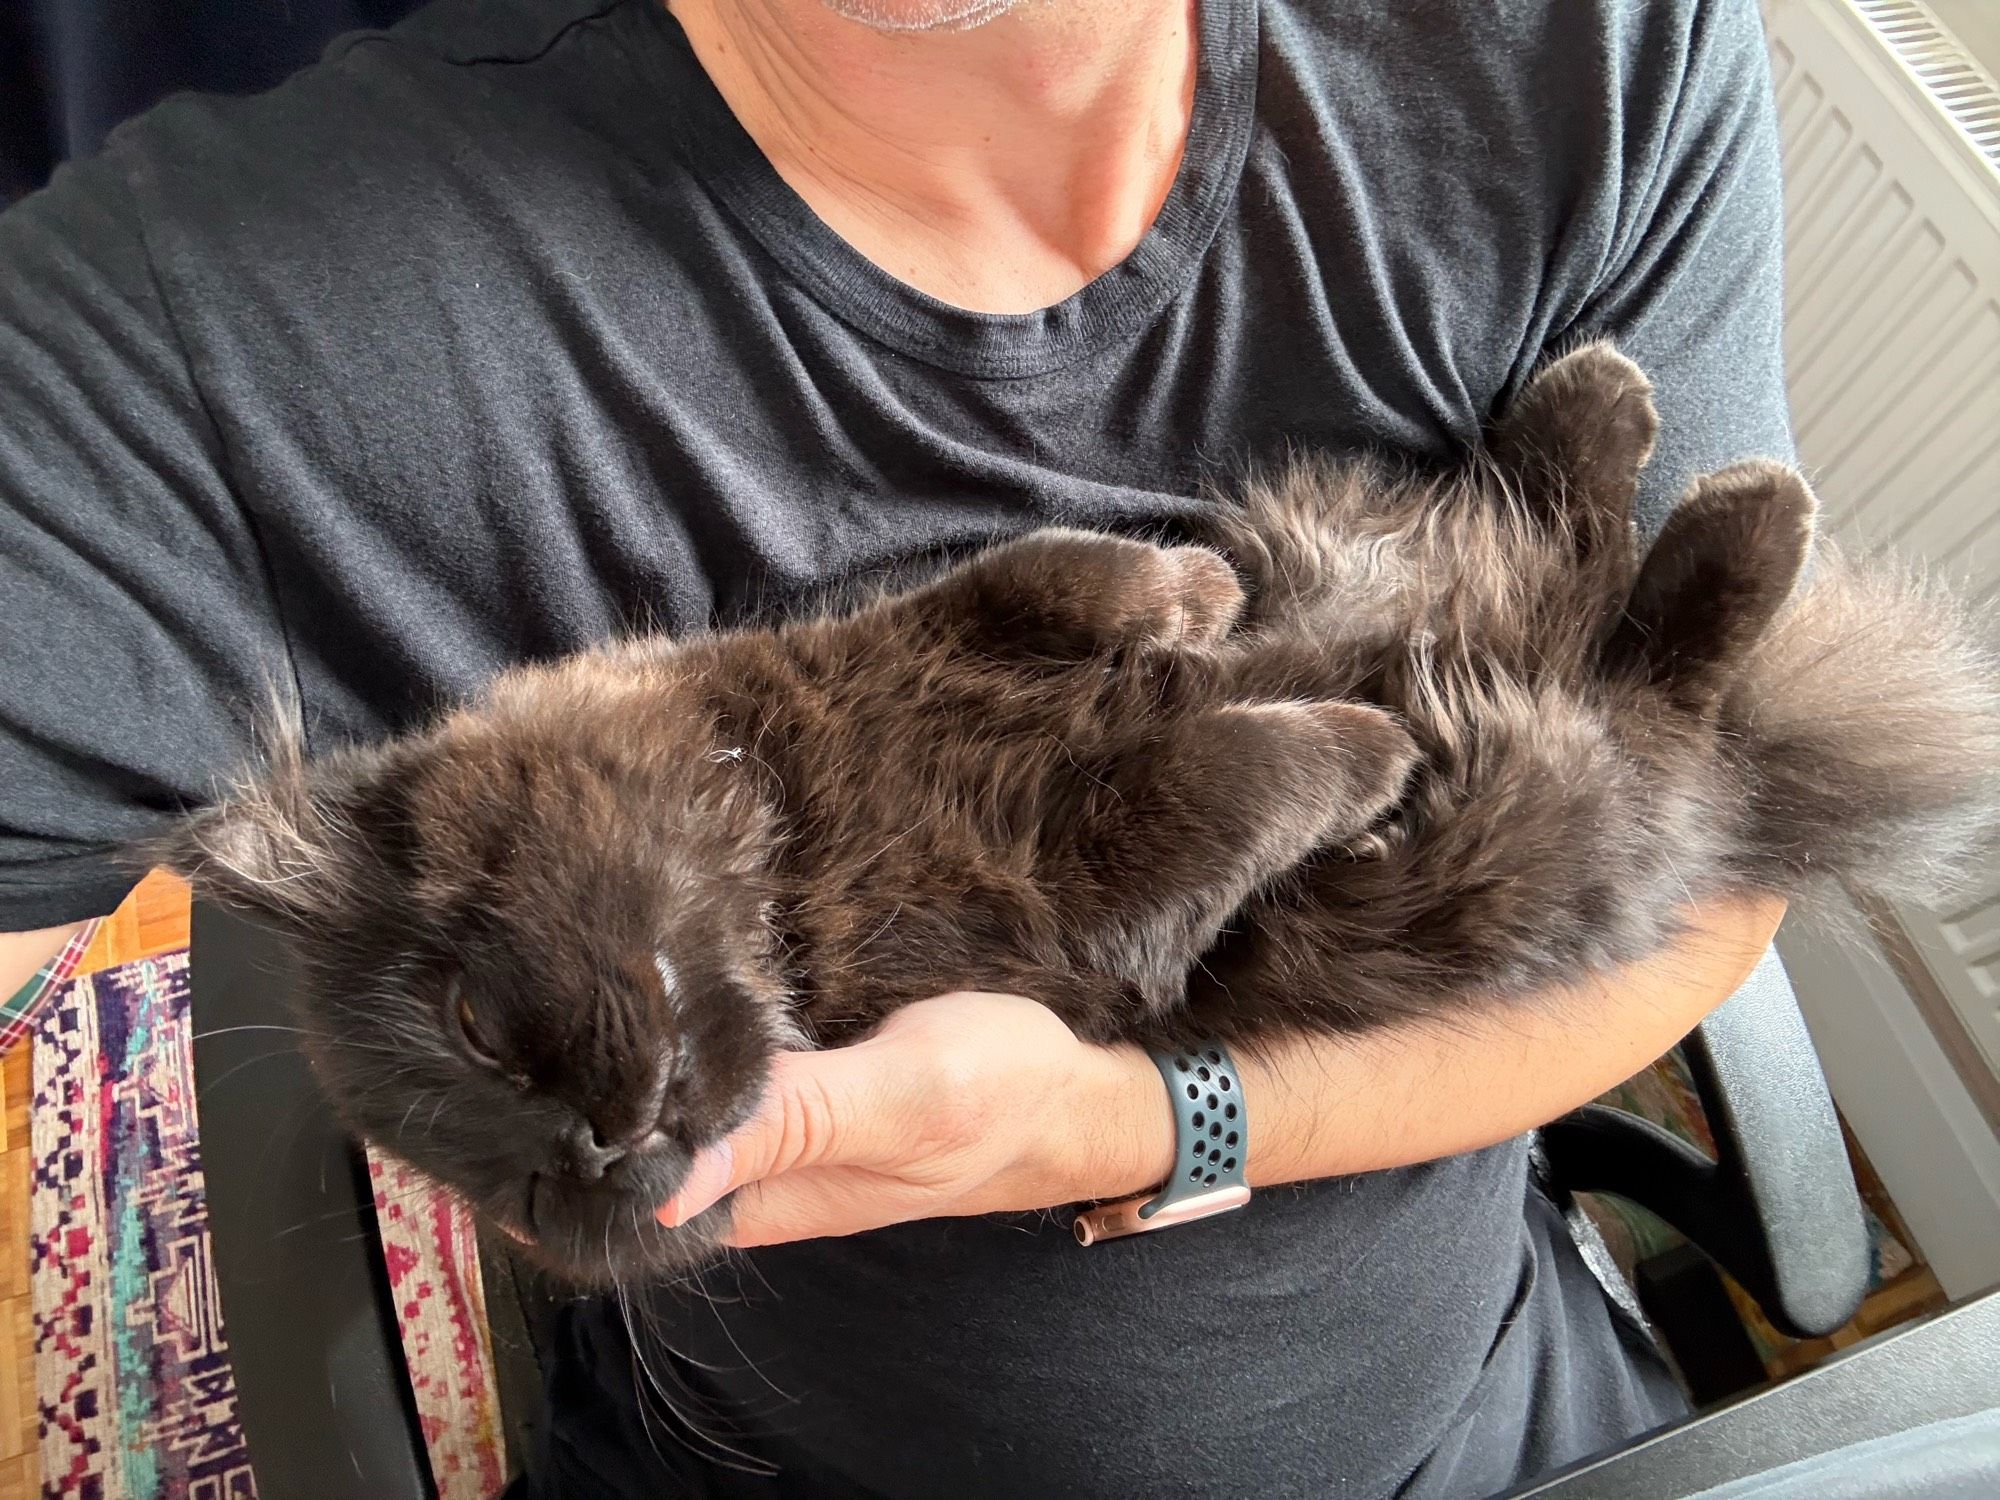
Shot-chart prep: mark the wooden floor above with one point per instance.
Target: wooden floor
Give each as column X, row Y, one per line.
column 19, row 1478
column 154, row 919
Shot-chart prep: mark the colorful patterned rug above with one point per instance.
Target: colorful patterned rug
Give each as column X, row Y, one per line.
column 135, row 1391
column 132, row 1372
column 17, row 1014
column 432, row 1253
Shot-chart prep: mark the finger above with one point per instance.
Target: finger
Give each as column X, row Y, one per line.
column 820, row 1108
column 818, row 1203
column 707, row 1181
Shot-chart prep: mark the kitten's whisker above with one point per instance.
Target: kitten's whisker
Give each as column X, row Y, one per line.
column 748, row 1363
column 641, row 1377
column 741, row 1259
column 295, row 1120
column 717, row 1449
column 231, row 1072
column 341, row 1213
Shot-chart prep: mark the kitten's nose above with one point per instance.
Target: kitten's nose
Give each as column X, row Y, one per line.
column 591, row 1154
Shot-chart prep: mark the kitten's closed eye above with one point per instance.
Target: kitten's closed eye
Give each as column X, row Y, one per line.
column 463, row 1021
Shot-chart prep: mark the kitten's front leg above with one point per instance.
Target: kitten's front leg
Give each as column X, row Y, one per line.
column 1180, row 829
column 1067, row 594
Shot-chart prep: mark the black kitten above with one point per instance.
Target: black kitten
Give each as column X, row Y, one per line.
column 552, row 943
column 1462, row 744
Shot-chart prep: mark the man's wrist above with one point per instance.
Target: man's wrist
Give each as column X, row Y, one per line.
column 1124, row 1124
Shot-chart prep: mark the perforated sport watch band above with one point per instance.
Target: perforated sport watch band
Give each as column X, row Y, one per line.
column 1211, row 1147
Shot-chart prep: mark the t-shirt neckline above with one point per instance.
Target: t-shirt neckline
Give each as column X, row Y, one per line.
column 990, row 345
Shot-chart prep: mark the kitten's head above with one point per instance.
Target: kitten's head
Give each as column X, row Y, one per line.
column 536, row 952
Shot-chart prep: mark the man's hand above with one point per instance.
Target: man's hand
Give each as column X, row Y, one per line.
column 975, row 1103
column 966, row 1104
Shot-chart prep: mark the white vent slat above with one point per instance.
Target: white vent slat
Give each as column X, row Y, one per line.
column 1903, row 447
column 1968, row 944
column 1975, row 929
column 1949, row 524
column 1821, row 220
column 1782, row 63
column 1893, row 277
column 1893, row 241
column 1970, row 97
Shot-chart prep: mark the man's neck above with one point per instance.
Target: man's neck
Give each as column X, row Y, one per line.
column 999, row 168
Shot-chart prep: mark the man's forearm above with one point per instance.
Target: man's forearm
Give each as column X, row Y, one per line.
column 979, row 1103
column 1327, row 1107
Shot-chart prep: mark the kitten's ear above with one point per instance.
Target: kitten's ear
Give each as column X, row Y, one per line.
column 1573, row 443
column 268, row 850
column 1729, row 558
column 280, row 843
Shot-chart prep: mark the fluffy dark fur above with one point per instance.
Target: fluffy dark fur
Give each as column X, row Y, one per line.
column 1605, row 737
column 1459, row 744
column 553, row 942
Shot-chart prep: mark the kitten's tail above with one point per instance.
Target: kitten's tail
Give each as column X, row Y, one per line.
column 1867, row 722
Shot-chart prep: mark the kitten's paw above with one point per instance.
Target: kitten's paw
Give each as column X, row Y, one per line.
column 1124, row 592
column 1196, row 599
column 1062, row 593
column 1591, row 399
column 1595, row 395
column 1578, row 435
column 1721, row 569
column 1342, row 765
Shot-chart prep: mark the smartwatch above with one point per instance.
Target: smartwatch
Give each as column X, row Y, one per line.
column 1211, row 1150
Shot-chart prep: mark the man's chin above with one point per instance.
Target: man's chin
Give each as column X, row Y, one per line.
column 921, row 15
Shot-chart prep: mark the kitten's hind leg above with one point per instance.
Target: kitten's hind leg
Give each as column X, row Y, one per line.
column 1573, row 442
column 1730, row 556
column 1182, row 827
column 1065, row 594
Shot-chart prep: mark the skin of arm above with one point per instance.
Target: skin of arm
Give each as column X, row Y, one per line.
column 22, row 953
column 977, row 1103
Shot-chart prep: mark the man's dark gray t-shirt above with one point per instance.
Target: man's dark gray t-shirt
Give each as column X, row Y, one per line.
column 495, row 335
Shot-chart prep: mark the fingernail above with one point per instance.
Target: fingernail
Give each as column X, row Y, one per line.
column 707, row 1180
